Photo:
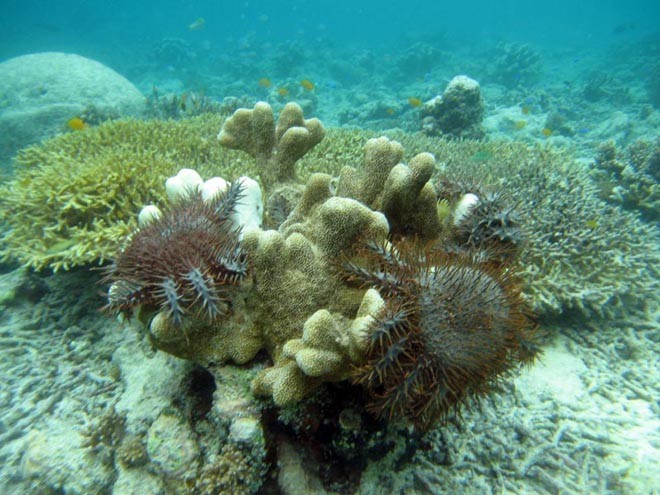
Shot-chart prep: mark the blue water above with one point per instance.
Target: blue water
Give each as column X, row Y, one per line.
column 99, row 28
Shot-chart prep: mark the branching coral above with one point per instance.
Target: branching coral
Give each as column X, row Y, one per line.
column 515, row 64
column 276, row 148
column 402, row 192
column 631, row 178
column 74, row 197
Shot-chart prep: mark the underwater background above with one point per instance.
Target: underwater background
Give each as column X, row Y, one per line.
column 433, row 266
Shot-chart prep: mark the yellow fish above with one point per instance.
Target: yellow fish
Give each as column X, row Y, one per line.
column 414, row 102
column 264, row 82
column 526, row 110
column 519, row 125
column 390, row 111
column 76, row 124
column 307, row 84
column 198, row 24
column 282, row 91
column 546, row 132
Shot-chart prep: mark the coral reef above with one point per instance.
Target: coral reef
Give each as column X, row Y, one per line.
column 73, row 198
column 630, row 177
column 455, row 113
column 515, row 65
column 297, row 306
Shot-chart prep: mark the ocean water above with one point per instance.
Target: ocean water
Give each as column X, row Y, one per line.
column 189, row 357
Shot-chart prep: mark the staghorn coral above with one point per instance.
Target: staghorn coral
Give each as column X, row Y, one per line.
column 630, row 177
column 276, row 148
column 74, row 197
column 449, row 329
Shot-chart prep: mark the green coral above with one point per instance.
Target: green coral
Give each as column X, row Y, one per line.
column 74, row 197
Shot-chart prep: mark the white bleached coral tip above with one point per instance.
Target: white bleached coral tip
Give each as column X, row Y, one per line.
column 148, row 214
column 179, row 185
column 250, row 208
column 464, row 207
column 212, row 187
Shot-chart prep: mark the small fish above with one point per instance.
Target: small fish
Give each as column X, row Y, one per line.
column 307, row 84
column 526, row 110
column 592, row 224
column 76, row 124
column 282, row 91
column 414, row 102
column 583, row 130
column 390, row 111
column 546, row 132
column 199, row 23
column 519, row 125
column 481, row 156
column 264, row 82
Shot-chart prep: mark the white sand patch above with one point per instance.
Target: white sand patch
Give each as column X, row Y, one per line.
column 557, row 373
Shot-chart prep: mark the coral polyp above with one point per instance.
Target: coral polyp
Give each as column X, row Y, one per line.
column 183, row 260
column 451, row 327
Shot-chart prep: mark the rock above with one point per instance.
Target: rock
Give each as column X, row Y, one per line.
column 42, row 91
column 172, row 447
column 53, row 460
column 457, row 112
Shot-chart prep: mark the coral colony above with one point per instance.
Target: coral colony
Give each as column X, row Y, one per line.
column 354, row 285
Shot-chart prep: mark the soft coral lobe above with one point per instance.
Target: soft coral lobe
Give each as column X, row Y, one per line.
column 450, row 328
column 183, row 261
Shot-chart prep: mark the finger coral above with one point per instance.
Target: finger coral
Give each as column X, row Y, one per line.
column 276, row 147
